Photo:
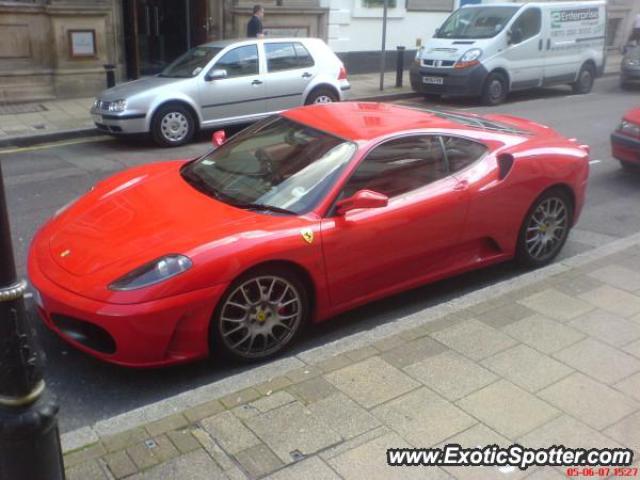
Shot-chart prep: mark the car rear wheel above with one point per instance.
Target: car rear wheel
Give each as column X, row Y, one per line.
column 321, row 95
column 585, row 80
column 545, row 229
column 260, row 315
column 495, row 89
column 172, row 125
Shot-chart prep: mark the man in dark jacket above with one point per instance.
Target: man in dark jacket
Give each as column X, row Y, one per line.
column 254, row 27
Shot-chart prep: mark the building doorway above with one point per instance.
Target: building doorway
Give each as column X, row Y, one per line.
column 158, row 31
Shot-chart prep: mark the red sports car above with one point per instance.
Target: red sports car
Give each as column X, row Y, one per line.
column 625, row 141
column 295, row 219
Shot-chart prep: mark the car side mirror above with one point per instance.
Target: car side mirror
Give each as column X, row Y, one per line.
column 218, row 138
column 515, row 36
column 362, row 199
column 217, row 74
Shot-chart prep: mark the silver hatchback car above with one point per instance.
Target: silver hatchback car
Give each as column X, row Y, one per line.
column 223, row 83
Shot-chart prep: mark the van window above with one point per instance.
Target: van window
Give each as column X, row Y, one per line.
column 529, row 23
column 476, row 22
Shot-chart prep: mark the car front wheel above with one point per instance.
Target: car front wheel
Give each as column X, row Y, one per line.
column 172, row 125
column 545, row 229
column 260, row 314
column 585, row 80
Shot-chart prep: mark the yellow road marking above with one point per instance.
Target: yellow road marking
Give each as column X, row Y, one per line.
column 46, row 146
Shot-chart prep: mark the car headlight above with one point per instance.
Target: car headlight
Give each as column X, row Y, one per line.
column 96, row 103
column 471, row 55
column 629, row 128
column 153, row 272
column 118, row 106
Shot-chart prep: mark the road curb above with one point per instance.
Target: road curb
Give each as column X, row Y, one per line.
column 89, row 435
column 31, row 140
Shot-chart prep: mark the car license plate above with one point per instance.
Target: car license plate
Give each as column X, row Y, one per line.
column 97, row 118
column 433, row 80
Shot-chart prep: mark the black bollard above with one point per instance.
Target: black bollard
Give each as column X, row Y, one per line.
column 111, row 75
column 399, row 65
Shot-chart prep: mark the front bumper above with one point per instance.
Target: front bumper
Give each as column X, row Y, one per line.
column 630, row 75
column 625, row 148
column 119, row 122
column 467, row 82
column 163, row 332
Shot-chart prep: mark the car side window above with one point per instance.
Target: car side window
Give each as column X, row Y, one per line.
column 529, row 23
column 287, row 56
column 239, row 62
column 399, row 166
column 461, row 152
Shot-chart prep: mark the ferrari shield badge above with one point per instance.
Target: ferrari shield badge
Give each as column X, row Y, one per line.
column 307, row 234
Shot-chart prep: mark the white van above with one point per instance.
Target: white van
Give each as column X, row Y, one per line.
column 492, row 49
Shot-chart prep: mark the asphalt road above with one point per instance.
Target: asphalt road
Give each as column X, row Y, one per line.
column 41, row 179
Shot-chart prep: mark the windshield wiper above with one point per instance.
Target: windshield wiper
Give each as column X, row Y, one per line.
column 264, row 206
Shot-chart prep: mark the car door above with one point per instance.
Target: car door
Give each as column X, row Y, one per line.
column 239, row 91
column 370, row 251
column 525, row 52
column 290, row 68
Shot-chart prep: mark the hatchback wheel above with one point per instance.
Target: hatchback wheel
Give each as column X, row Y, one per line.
column 321, row 95
column 260, row 315
column 545, row 229
column 172, row 125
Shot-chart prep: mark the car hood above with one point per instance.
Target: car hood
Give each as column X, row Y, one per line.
column 633, row 116
column 138, row 217
column 449, row 48
column 128, row 89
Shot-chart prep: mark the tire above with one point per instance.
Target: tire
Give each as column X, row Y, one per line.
column 537, row 248
column 586, row 77
column 243, row 333
column 495, row 90
column 172, row 125
column 321, row 95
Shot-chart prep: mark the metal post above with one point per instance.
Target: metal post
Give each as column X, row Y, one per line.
column 384, row 43
column 399, row 65
column 111, row 75
column 29, row 437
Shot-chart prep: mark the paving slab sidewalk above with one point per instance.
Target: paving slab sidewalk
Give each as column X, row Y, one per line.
column 69, row 118
column 551, row 357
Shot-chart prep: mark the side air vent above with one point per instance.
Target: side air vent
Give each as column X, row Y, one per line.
column 505, row 162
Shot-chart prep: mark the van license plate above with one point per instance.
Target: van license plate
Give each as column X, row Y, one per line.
column 433, row 80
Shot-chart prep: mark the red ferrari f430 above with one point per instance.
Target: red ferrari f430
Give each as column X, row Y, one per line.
column 297, row 218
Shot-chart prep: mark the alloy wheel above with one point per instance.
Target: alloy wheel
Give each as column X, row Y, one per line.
column 260, row 316
column 323, row 99
column 174, row 126
column 547, row 229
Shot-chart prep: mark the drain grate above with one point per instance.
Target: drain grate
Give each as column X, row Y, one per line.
column 22, row 108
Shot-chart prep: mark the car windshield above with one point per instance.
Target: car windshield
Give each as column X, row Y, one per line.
column 191, row 63
column 276, row 165
column 476, row 22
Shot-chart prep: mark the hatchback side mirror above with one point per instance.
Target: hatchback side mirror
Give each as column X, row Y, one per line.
column 218, row 138
column 362, row 199
column 217, row 74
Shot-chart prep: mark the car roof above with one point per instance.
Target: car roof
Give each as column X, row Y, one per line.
column 364, row 121
column 240, row 41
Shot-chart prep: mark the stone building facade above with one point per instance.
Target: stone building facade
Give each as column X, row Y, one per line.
column 58, row 48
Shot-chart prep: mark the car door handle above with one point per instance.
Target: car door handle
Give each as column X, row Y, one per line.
column 256, row 82
column 306, row 75
column 461, row 185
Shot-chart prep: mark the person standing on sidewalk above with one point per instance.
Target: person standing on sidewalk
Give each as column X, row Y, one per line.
column 254, row 27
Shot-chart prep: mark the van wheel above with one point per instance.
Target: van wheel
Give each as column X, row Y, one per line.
column 495, row 89
column 172, row 125
column 584, row 84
